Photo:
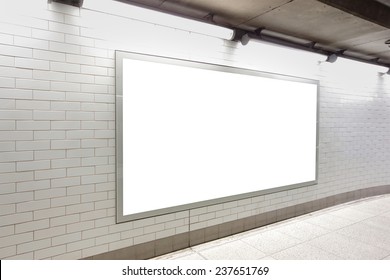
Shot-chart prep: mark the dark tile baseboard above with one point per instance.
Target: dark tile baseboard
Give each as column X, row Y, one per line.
column 184, row 240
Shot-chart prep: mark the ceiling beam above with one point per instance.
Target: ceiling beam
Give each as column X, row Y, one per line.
column 376, row 11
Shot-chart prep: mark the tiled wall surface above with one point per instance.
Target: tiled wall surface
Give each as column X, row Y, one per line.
column 57, row 129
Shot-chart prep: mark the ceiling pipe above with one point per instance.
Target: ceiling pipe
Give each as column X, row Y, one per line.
column 311, row 47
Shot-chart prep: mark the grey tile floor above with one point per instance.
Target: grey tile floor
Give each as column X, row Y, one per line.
column 351, row 231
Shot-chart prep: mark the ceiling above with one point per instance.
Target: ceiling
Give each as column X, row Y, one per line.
column 354, row 28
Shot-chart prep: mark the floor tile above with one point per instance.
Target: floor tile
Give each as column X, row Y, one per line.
column 263, row 229
column 213, row 243
column 386, row 214
column 372, row 235
column 304, row 252
column 268, row 258
column 330, row 222
column 180, row 254
column 348, row 248
column 271, row 241
column 193, row 256
column 303, row 230
column 235, row 250
column 382, row 222
column 383, row 203
column 386, row 201
column 352, row 214
column 372, row 207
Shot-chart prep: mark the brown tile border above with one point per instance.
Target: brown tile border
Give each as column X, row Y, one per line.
column 184, row 240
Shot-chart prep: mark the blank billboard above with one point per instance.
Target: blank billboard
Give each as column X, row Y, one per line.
column 192, row 134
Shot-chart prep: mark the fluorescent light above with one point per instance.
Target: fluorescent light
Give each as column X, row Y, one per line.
column 288, row 54
column 377, row 68
column 159, row 18
column 353, row 65
column 385, row 72
column 283, row 53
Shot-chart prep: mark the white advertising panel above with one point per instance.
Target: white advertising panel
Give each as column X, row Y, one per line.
column 197, row 134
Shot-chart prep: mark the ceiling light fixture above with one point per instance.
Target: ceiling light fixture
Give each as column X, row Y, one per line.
column 385, row 73
column 282, row 51
column 310, row 49
column 245, row 39
column 160, row 18
column 346, row 64
column 76, row 3
column 331, row 58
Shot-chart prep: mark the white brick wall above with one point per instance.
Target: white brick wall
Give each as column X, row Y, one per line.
column 57, row 130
